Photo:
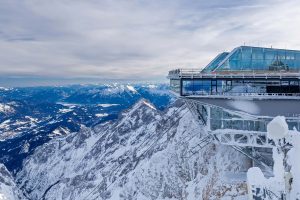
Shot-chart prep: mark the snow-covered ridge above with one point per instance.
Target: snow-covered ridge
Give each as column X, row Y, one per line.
column 3, row 88
column 149, row 105
column 131, row 88
column 141, row 156
column 117, row 89
column 8, row 188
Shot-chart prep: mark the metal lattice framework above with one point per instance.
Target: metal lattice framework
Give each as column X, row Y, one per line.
column 242, row 138
column 232, row 137
column 248, row 143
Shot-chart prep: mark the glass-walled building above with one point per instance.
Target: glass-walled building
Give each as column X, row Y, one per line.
column 243, row 71
column 239, row 92
column 247, row 58
column 236, row 87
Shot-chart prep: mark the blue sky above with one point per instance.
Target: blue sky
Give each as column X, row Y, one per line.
column 132, row 39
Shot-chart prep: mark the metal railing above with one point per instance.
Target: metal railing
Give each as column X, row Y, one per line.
column 197, row 73
column 245, row 94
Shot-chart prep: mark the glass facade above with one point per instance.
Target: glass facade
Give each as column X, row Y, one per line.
column 215, row 62
column 175, row 85
column 246, row 58
column 227, row 74
column 220, row 118
column 238, row 87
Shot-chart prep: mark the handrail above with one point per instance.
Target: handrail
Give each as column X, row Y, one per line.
column 185, row 73
column 231, row 94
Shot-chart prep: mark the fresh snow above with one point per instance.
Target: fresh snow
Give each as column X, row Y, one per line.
column 101, row 114
column 25, row 148
column 106, row 105
column 281, row 182
column 70, row 105
column 59, row 131
column 274, row 185
column 294, row 161
column 149, row 105
column 152, row 86
column 8, row 188
column 5, row 124
column 117, row 89
column 4, row 108
column 3, row 88
column 277, row 128
column 33, row 120
column 131, row 88
column 65, row 110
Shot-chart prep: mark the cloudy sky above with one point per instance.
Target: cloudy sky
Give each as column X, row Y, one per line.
column 133, row 39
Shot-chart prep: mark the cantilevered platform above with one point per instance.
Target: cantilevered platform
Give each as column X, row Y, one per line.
column 196, row 73
column 255, row 85
column 239, row 92
column 264, row 73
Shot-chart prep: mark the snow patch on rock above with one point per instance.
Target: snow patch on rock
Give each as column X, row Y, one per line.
column 106, row 105
column 101, row 115
column 4, row 108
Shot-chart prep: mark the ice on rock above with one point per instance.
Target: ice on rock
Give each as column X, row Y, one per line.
column 274, row 185
column 294, row 161
column 277, row 128
column 283, row 182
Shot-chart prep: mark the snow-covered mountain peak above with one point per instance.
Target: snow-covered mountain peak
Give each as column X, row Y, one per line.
column 3, row 88
column 142, row 104
column 149, row 105
column 143, row 155
column 118, row 89
column 131, row 88
column 141, row 109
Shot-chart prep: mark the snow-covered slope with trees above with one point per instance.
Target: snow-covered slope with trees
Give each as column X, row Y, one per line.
column 146, row 154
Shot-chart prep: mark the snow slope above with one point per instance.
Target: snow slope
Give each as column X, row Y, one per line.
column 144, row 155
column 8, row 188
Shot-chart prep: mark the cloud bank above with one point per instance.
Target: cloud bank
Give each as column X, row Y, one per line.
column 134, row 39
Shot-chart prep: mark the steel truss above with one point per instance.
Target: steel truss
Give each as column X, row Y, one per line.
column 249, row 143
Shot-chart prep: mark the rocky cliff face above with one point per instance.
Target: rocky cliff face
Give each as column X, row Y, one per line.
column 8, row 188
column 146, row 154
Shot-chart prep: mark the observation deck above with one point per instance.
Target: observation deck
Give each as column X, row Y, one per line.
column 239, row 92
column 255, row 84
column 245, row 71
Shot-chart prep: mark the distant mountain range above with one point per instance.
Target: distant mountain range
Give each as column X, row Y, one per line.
column 30, row 117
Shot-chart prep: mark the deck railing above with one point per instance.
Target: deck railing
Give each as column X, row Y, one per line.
column 197, row 73
column 241, row 94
